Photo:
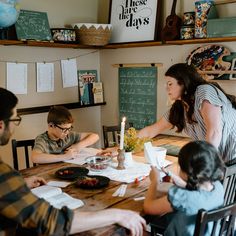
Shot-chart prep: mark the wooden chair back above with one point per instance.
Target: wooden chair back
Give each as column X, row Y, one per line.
column 229, row 183
column 25, row 144
column 222, row 220
column 111, row 134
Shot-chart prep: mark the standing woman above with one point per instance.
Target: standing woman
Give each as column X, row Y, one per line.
column 200, row 108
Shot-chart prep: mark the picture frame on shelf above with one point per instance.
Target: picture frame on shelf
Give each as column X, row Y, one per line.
column 233, row 68
column 135, row 20
column 86, row 78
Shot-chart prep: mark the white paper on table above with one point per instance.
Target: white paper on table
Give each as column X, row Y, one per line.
column 116, row 193
column 83, row 154
column 139, row 198
column 17, row 77
column 45, row 77
column 60, row 184
column 127, row 175
column 69, row 73
column 150, row 156
column 120, row 192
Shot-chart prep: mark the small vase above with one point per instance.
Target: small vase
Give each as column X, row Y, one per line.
column 128, row 162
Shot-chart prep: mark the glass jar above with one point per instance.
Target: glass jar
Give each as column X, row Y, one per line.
column 187, row 32
column 189, row 18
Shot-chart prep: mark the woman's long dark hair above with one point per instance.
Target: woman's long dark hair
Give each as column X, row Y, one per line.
column 188, row 76
column 201, row 162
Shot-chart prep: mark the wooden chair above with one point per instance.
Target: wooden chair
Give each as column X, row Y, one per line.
column 229, row 183
column 221, row 222
column 26, row 144
column 222, row 219
column 111, row 134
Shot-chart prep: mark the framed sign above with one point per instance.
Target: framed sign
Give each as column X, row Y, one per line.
column 33, row 25
column 135, row 20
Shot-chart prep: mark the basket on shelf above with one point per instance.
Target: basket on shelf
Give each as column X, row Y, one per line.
column 93, row 34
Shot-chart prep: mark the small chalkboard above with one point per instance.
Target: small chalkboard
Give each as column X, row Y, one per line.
column 138, row 95
column 33, row 25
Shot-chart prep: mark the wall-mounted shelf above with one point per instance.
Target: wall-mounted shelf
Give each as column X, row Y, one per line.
column 173, row 42
column 41, row 109
column 43, row 44
column 116, row 45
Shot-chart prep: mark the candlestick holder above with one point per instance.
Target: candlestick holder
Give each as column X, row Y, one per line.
column 121, row 159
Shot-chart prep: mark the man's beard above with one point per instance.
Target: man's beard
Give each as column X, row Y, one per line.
column 4, row 139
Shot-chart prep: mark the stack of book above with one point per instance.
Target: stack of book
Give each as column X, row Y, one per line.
column 90, row 90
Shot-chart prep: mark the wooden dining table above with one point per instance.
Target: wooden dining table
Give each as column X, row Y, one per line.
column 99, row 199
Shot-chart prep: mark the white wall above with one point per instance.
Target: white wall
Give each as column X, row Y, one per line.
column 86, row 119
column 60, row 12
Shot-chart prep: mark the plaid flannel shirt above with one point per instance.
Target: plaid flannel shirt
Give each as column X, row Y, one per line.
column 18, row 206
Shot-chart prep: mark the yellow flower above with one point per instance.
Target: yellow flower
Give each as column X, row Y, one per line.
column 132, row 143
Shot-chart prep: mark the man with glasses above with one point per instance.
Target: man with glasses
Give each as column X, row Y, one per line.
column 59, row 142
column 19, row 207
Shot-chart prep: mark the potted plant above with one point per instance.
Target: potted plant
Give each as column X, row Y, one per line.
column 132, row 144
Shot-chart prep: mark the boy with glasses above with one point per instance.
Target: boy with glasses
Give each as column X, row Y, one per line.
column 59, row 142
column 20, row 208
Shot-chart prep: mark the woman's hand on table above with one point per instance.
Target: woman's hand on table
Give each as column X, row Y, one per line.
column 34, row 181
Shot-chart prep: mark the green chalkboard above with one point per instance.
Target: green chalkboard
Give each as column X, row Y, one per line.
column 138, row 95
column 33, row 25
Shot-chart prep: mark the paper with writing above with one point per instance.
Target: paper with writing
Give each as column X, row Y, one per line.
column 83, row 154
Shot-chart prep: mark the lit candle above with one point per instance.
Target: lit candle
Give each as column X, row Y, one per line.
column 122, row 133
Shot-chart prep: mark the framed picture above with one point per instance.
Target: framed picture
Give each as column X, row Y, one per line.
column 233, row 68
column 135, row 20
